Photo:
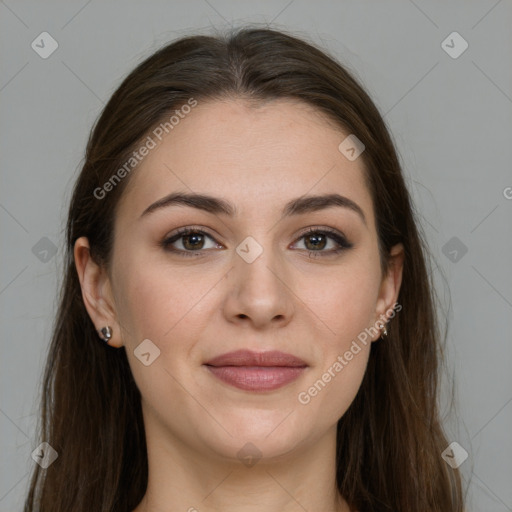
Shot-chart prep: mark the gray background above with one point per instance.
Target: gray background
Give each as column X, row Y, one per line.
column 451, row 119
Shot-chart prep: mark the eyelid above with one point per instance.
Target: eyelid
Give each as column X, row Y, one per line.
column 180, row 233
column 337, row 236
column 324, row 229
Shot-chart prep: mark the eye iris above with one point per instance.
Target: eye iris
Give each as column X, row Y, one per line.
column 197, row 237
column 318, row 241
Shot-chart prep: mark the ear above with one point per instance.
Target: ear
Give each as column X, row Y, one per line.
column 390, row 286
column 96, row 291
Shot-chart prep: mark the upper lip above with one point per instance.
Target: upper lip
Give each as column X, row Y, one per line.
column 250, row 358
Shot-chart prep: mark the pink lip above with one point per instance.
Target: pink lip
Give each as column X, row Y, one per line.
column 256, row 371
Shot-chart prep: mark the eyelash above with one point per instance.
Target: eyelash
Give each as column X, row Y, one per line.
column 342, row 242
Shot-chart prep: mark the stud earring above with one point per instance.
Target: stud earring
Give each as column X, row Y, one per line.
column 384, row 332
column 105, row 333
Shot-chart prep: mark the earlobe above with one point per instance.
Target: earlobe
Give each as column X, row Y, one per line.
column 94, row 283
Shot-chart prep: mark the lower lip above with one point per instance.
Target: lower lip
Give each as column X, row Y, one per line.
column 257, row 378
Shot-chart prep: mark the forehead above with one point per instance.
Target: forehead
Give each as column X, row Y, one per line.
column 256, row 156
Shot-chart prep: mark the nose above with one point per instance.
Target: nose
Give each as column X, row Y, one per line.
column 259, row 293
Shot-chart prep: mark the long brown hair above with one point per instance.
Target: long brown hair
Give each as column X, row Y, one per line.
column 390, row 439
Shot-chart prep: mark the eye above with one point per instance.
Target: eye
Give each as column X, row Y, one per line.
column 191, row 240
column 316, row 240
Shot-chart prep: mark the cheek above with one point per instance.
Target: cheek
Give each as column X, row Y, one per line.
column 343, row 358
column 334, row 387
column 159, row 303
column 346, row 304
column 346, row 300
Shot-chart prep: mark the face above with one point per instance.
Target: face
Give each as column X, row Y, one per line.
column 305, row 281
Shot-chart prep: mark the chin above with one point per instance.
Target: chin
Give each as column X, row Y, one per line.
column 269, row 435
column 250, row 451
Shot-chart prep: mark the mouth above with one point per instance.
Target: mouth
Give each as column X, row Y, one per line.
column 256, row 371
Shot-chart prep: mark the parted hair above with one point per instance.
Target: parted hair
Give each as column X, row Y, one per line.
column 390, row 440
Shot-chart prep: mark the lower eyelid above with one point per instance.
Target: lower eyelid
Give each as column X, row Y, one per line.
column 168, row 242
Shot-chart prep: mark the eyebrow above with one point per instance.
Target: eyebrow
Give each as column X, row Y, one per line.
column 214, row 205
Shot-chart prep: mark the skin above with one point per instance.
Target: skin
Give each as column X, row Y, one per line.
column 194, row 308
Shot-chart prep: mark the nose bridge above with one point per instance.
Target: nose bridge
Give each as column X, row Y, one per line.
column 257, row 288
column 257, row 263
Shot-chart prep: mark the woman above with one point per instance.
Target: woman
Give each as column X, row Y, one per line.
column 246, row 320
